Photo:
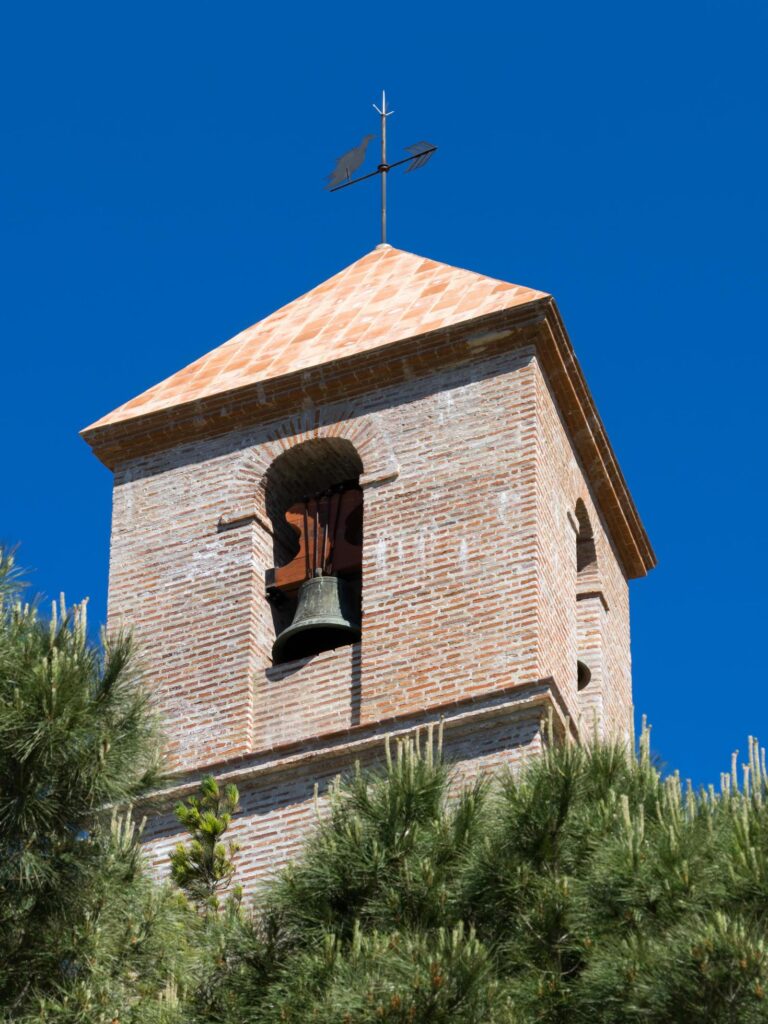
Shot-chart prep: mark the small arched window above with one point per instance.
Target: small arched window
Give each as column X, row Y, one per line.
column 315, row 504
column 586, row 581
column 583, row 676
column 586, row 554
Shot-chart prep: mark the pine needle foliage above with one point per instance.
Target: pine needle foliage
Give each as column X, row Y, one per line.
column 84, row 935
column 583, row 888
column 386, row 853
column 205, row 867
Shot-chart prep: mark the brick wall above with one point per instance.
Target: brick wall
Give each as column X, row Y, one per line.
column 470, row 590
column 583, row 616
column 279, row 804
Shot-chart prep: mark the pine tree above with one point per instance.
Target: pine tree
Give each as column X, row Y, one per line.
column 584, row 888
column 85, row 936
column 204, row 869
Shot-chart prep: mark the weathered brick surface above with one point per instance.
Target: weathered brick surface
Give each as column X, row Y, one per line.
column 469, row 584
column 279, row 807
column 575, row 624
column 482, row 461
column 449, row 566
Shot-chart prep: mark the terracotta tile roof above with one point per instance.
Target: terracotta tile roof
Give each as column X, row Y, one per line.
column 386, row 296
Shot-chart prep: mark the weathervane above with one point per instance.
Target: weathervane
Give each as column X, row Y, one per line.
column 347, row 164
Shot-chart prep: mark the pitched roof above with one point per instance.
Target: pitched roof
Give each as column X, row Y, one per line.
column 386, row 296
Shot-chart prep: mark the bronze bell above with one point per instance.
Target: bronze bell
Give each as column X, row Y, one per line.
column 326, row 617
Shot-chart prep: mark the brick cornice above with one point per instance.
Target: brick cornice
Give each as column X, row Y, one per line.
column 537, row 323
column 578, row 408
column 348, row 744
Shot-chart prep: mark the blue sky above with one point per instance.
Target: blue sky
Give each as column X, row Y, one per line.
column 161, row 189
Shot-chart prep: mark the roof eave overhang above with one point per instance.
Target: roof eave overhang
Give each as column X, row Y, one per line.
column 536, row 323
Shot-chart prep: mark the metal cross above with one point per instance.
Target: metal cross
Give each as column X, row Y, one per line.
column 349, row 162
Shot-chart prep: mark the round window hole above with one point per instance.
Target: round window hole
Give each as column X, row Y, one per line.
column 583, row 675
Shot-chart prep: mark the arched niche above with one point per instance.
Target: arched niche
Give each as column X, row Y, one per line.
column 304, row 469
column 586, row 552
column 317, row 466
column 364, row 434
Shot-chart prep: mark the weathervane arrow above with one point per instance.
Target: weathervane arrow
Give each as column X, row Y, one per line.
column 420, row 153
column 346, row 165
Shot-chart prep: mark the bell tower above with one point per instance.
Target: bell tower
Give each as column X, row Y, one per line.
column 390, row 503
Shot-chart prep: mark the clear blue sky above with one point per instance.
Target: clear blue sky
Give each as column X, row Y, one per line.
column 162, row 177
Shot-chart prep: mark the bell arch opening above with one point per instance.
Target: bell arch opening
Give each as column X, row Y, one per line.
column 314, row 502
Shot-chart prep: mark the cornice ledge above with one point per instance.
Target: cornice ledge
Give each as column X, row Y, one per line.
column 355, row 742
column 265, row 401
column 590, row 438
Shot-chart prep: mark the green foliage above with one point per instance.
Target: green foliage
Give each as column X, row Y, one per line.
column 205, row 868
column 84, row 935
column 386, row 854
column 403, row 977
column 585, row 888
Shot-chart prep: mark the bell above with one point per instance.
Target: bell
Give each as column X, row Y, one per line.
column 325, row 618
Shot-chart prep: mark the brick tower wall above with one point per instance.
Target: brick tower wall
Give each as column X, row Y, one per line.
column 582, row 616
column 471, row 603
column 279, row 802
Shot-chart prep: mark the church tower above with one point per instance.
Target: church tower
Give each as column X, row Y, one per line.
column 391, row 502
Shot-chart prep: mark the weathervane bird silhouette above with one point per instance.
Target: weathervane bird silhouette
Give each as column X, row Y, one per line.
column 346, row 165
